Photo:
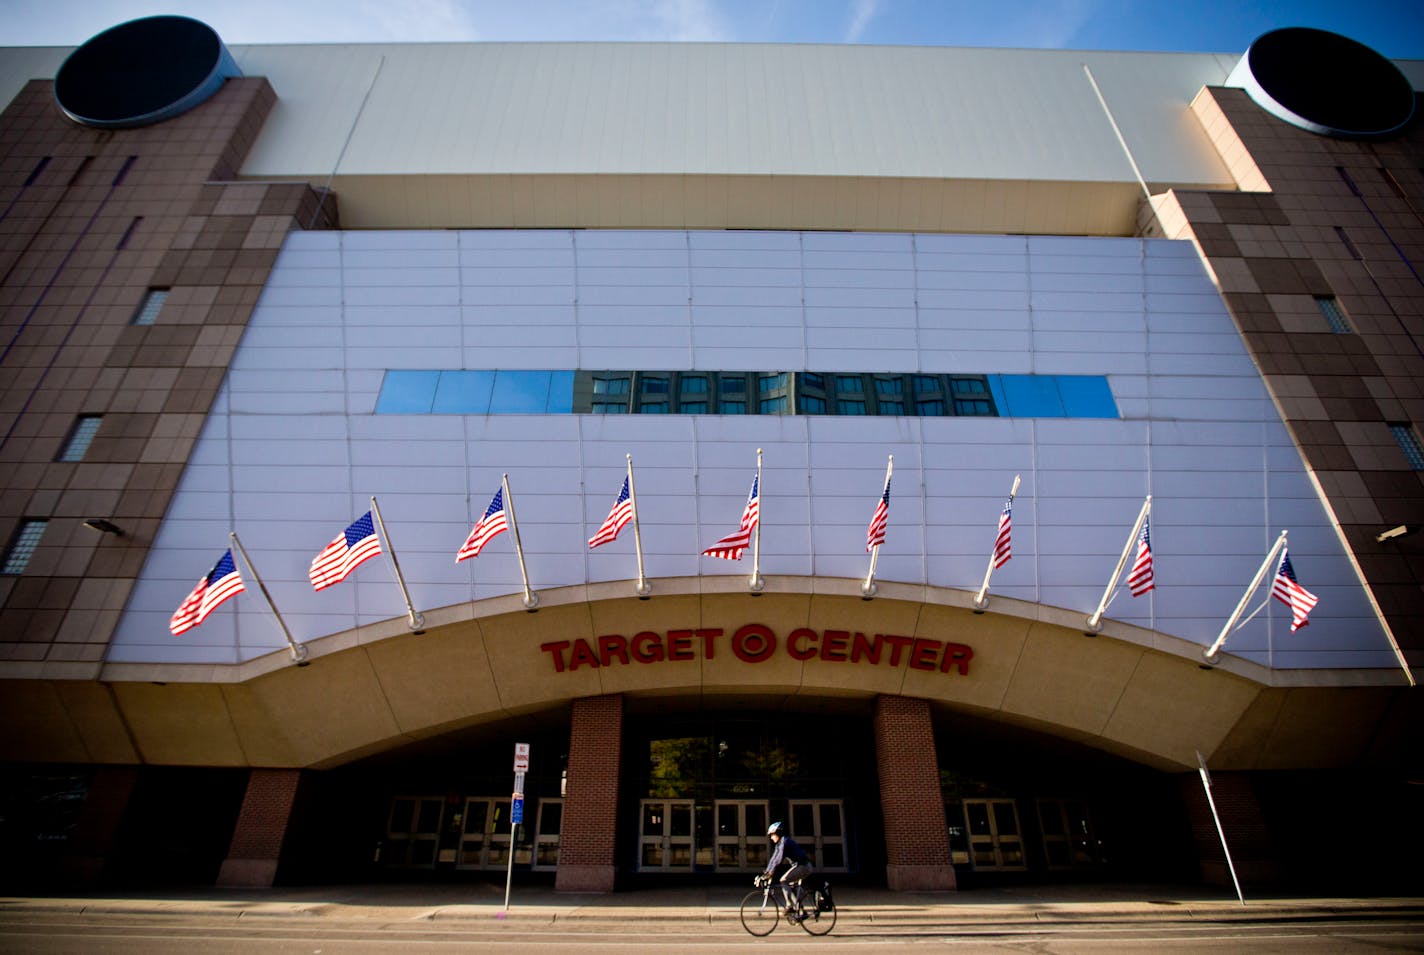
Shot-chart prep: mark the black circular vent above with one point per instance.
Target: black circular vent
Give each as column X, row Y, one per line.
column 143, row 72
column 1325, row 83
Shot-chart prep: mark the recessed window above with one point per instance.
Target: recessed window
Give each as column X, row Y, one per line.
column 771, row 382
column 968, row 386
column 850, row 407
column 932, row 408
column 736, row 384
column 23, row 547
column 774, row 405
column 610, row 386
column 80, row 437
column 610, row 407
column 733, row 407
column 889, row 386
column 968, row 406
column 149, row 308
column 810, row 404
column 653, row 407
column 1409, row 443
column 696, row 385
column 1334, row 315
column 654, row 386
column 926, row 384
column 812, row 379
column 892, row 407
column 693, row 407
column 850, row 383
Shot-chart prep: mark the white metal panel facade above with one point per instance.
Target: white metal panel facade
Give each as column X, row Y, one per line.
column 293, row 450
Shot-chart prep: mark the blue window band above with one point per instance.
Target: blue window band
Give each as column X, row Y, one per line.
column 780, row 393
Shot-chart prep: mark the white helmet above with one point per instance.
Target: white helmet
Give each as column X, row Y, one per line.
column 775, row 827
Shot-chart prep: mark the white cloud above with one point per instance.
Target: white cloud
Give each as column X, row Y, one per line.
column 862, row 12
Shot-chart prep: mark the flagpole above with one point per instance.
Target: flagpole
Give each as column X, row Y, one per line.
column 982, row 599
column 644, row 588
column 415, row 620
column 1213, row 653
column 1095, row 622
column 1206, row 785
column 867, row 589
column 531, row 599
column 756, row 584
column 298, row 650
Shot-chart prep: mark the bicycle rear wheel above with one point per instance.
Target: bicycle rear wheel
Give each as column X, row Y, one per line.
column 814, row 920
column 760, row 913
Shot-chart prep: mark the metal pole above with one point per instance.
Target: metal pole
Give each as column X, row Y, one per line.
column 982, row 600
column 1211, row 653
column 531, row 599
column 298, row 650
column 1095, row 622
column 415, row 620
column 1206, row 784
column 867, row 589
column 756, row 584
column 644, row 588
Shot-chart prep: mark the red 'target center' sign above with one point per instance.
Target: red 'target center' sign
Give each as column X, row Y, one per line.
column 757, row 643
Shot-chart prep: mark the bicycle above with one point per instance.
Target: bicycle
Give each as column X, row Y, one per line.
column 763, row 907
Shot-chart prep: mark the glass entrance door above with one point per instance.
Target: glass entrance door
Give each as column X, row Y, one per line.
column 819, row 826
column 995, row 842
column 665, row 836
column 1068, row 840
column 484, row 837
column 413, row 831
column 546, row 833
column 741, row 835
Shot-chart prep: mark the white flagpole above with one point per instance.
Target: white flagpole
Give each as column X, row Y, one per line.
column 415, row 620
column 1206, row 785
column 1213, row 652
column 982, row 600
column 644, row 588
column 867, row 589
column 757, row 584
column 1095, row 622
column 531, row 599
column 297, row 650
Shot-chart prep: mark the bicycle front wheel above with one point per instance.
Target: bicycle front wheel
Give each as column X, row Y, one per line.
column 815, row 921
column 759, row 913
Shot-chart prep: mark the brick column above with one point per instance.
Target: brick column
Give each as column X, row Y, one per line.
column 261, row 826
column 588, row 838
column 110, row 789
column 916, row 839
column 1243, row 822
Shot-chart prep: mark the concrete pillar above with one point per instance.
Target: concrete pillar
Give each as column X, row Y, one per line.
column 261, row 827
column 916, row 840
column 588, row 837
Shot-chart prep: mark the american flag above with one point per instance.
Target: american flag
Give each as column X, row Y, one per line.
column 731, row 546
column 1003, row 550
column 222, row 582
column 621, row 514
column 875, row 533
column 1139, row 579
column 1288, row 591
column 494, row 523
column 353, row 546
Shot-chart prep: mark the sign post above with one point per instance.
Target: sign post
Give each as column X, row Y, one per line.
column 516, row 814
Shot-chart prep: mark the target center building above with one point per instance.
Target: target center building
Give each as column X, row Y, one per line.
column 975, row 327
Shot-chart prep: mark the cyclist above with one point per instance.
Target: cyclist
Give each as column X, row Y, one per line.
column 785, row 849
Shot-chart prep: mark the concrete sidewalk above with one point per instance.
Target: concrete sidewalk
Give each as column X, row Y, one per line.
column 1039, row 905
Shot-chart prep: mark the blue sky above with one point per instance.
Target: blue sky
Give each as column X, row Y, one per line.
column 1393, row 27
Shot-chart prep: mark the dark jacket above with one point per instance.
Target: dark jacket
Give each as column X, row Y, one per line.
column 786, row 850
